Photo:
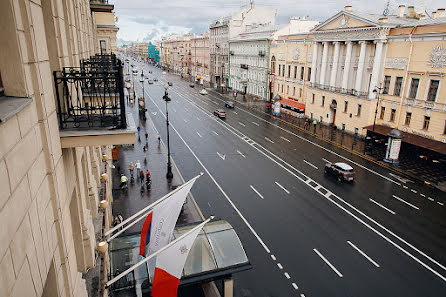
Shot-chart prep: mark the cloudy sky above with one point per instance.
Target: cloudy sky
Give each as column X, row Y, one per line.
column 145, row 20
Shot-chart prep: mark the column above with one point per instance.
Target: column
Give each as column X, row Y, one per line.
column 347, row 65
column 361, row 66
column 314, row 63
column 334, row 69
column 324, row 63
column 377, row 66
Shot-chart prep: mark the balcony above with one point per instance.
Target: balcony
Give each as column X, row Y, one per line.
column 426, row 104
column 351, row 92
column 91, row 105
column 244, row 66
column 261, row 53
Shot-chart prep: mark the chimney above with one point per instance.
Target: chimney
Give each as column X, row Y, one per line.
column 411, row 12
column 348, row 8
column 401, row 10
column 434, row 14
column 440, row 13
column 383, row 20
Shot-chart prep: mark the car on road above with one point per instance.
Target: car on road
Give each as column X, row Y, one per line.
column 141, row 79
column 155, row 79
column 229, row 104
column 192, row 85
column 150, row 82
column 203, row 92
column 342, row 171
column 221, row 113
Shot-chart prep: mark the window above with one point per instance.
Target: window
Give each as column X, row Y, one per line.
column 408, row 118
column 398, row 82
column 383, row 111
column 282, row 88
column 302, row 72
column 294, row 91
column 386, row 84
column 323, row 101
column 295, row 72
column 312, row 99
column 103, row 46
column 273, row 64
column 287, row 89
column 444, row 130
column 433, row 88
column 356, row 131
column 426, row 122
column 289, row 71
column 309, row 73
column 345, row 106
column 414, row 88
column 343, row 127
column 358, row 111
column 300, row 92
column 392, row 115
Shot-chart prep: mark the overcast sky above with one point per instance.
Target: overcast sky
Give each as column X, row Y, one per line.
column 145, row 20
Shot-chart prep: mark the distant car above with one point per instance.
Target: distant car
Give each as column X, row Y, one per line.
column 192, row 85
column 170, row 83
column 342, row 171
column 229, row 104
column 141, row 79
column 203, row 92
column 150, row 82
column 155, row 79
column 220, row 113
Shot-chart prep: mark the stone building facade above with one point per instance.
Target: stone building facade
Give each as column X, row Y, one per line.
column 200, row 58
column 51, row 179
column 106, row 29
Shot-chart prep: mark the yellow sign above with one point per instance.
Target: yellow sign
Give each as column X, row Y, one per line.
column 198, row 76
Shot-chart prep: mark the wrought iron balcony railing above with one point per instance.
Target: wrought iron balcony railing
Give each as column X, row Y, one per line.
column 91, row 96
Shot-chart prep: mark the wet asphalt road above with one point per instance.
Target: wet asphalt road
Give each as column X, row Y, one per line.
column 304, row 233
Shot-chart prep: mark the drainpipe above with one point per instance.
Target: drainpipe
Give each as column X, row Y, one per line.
column 305, row 73
column 403, row 89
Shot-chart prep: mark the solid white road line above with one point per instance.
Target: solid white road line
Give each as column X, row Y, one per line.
column 382, row 206
column 233, row 111
column 364, row 254
column 280, row 186
column 273, row 257
column 266, row 138
column 279, row 265
column 404, row 201
column 255, row 123
column 217, row 184
column 241, row 154
column 241, row 124
column 287, row 275
column 327, row 262
column 199, row 134
column 295, row 286
column 326, row 160
column 215, row 133
column 287, row 140
column 257, row 192
column 310, row 164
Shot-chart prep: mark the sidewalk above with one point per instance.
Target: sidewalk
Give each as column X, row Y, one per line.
column 409, row 166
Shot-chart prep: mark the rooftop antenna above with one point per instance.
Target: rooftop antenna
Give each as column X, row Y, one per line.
column 386, row 10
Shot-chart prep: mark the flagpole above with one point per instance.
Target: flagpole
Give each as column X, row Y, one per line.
column 130, row 269
column 129, row 225
column 151, row 205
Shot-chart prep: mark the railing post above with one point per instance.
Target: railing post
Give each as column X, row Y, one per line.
column 59, row 114
column 120, row 86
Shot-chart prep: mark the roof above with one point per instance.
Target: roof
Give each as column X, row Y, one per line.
column 343, row 166
column 259, row 33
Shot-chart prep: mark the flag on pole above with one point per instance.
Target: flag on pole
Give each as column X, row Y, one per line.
column 159, row 224
column 170, row 264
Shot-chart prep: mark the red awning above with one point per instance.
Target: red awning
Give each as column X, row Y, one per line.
column 417, row 140
column 293, row 103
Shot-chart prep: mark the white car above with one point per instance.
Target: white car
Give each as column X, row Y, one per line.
column 141, row 79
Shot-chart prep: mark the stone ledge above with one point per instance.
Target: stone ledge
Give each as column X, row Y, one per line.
column 10, row 106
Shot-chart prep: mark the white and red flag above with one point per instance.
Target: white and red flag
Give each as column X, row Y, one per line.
column 170, row 264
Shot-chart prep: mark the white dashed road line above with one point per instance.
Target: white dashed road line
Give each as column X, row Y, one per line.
column 215, row 133
column 273, row 257
column 406, row 187
column 241, row 154
column 327, row 262
column 255, row 123
column 279, row 265
column 382, row 206
column 413, row 191
column 431, row 199
column 310, row 164
column 404, row 201
column 441, row 203
column 364, row 254
column 295, row 286
column 241, row 124
column 422, row 195
column 326, row 160
column 287, row 275
column 198, row 118
column 266, row 138
column 280, row 186
column 257, row 192
column 287, row 140
column 199, row 134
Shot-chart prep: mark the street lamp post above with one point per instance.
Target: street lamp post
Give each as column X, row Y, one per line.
column 133, row 84
column 377, row 91
column 169, row 174
column 143, row 93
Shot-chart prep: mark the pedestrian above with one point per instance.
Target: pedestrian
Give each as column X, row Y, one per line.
column 145, row 148
column 138, row 167
column 159, row 139
column 148, row 175
column 314, row 125
column 141, row 176
column 147, row 135
column 131, row 168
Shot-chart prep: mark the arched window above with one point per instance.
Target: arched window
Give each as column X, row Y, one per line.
column 273, row 64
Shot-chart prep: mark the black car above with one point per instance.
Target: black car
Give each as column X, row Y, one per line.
column 229, row 104
column 155, row 79
column 342, row 171
column 192, row 85
column 220, row 113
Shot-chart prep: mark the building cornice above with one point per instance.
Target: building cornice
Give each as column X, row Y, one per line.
column 352, row 34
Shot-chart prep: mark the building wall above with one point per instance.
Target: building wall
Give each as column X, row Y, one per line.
column 106, row 30
column 48, row 195
column 200, row 59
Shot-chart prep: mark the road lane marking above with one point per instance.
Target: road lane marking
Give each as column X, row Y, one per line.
column 257, row 192
column 185, row 120
column 273, row 257
column 422, row 195
column 431, row 199
column 266, row 138
column 441, row 203
column 205, row 102
column 222, row 156
column 215, row 133
column 382, row 206
column 262, row 243
column 364, row 254
column 327, row 262
column 295, row 286
column 302, row 295
column 280, row 186
column 326, row 160
column 404, row 201
column 198, row 118
column 241, row 154
column 287, row 275
column 233, row 111
column 406, row 187
column 413, row 191
column 310, row 164
column 255, row 124
column 199, row 134
column 241, row 124
column 279, row 265
column 286, row 139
